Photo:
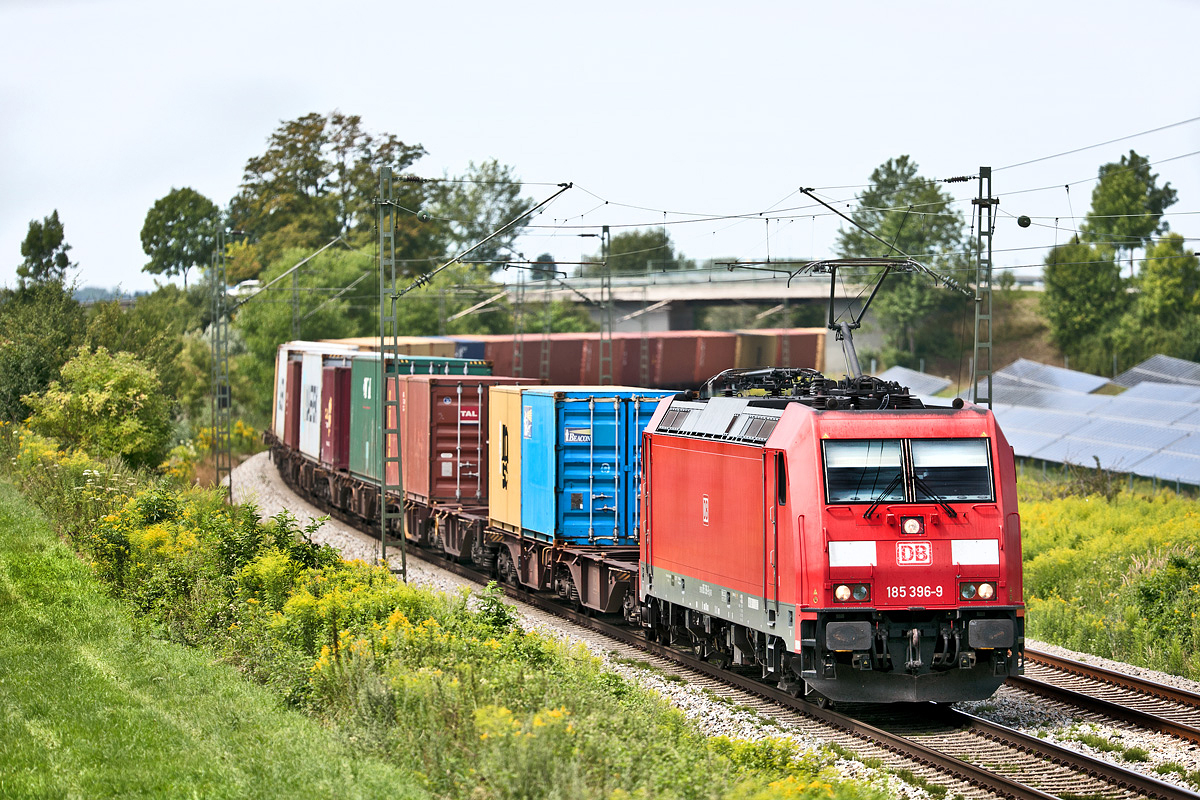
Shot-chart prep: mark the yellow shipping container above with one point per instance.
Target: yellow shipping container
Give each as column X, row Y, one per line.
column 755, row 350
column 409, row 345
column 504, row 457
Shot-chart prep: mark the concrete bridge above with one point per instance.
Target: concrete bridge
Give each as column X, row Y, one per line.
column 663, row 301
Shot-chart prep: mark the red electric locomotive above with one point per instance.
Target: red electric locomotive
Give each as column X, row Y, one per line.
column 856, row 544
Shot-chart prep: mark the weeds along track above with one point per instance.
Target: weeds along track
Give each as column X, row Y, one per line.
column 966, row 755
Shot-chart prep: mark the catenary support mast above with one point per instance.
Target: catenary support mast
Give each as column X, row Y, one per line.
column 982, row 360
column 221, row 445
column 388, row 403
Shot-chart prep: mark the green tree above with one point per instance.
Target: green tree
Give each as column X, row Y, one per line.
column 644, row 251
column 1127, row 205
column 40, row 326
column 266, row 321
column 470, row 208
column 1169, row 284
column 107, row 405
column 562, row 316
column 917, row 217
column 153, row 330
column 1084, row 297
column 318, row 179
column 179, row 233
column 1165, row 314
column 45, row 252
column 544, row 268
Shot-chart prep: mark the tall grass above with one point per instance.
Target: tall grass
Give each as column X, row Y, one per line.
column 1116, row 577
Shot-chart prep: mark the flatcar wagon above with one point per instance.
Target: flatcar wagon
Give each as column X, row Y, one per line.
column 857, row 545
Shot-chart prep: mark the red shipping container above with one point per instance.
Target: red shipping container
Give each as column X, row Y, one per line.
column 623, row 367
column 444, row 427
column 566, row 354
column 335, row 416
column 500, row 352
column 715, row 352
column 674, row 359
column 291, row 419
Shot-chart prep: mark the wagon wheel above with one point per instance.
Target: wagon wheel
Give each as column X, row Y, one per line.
column 505, row 567
column 481, row 556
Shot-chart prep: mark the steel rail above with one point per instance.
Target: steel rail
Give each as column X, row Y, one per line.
column 1131, row 682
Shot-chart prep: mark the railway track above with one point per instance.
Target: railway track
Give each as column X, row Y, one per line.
column 1113, row 695
column 968, row 755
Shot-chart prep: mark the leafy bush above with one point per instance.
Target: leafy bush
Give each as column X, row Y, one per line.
column 108, row 405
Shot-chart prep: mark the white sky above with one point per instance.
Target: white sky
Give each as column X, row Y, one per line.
column 707, row 107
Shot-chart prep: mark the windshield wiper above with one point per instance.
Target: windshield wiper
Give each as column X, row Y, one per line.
column 879, row 497
column 924, row 487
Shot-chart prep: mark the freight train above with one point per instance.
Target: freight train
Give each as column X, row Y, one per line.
column 843, row 537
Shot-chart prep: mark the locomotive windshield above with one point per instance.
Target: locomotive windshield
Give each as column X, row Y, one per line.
column 908, row 470
column 952, row 469
column 863, row 471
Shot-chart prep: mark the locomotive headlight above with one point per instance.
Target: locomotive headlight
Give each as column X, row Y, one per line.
column 967, row 591
column 842, row 593
column 861, row 592
column 986, row 591
column 912, row 526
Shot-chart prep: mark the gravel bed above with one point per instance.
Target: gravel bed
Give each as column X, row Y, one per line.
column 257, row 481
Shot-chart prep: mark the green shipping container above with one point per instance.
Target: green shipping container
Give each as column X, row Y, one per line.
column 364, row 394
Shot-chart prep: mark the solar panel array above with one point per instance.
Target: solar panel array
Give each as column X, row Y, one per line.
column 1026, row 375
column 1161, row 369
column 919, row 383
column 1151, row 430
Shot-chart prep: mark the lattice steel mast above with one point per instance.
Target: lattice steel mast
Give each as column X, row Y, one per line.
column 389, row 352
column 606, row 301
column 982, row 360
column 221, row 436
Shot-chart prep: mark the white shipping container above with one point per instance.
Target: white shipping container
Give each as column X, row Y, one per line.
column 310, row 405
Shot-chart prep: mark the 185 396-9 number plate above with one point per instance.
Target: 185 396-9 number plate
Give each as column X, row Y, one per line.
column 916, row 591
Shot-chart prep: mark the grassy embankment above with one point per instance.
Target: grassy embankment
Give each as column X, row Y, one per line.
column 120, row 697
column 96, row 705
column 1116, row 577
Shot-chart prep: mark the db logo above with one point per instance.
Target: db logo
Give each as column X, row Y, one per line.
column 704, row 504
column 914, row 554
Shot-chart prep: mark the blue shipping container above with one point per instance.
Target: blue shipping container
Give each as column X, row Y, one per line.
column 581, row 462
column 465, row 347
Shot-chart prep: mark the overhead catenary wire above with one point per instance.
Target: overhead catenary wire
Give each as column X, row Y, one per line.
column 712, row 217
column 798, row 212
column 1099, row 144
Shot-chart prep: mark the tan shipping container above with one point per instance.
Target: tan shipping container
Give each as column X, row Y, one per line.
column 504, row 456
